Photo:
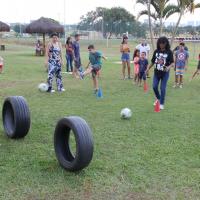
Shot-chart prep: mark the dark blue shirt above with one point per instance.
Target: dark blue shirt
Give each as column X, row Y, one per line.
column 76, row 48
column 143, row 64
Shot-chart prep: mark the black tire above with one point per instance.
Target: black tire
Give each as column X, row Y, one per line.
column 84, row 143
column 16, row 117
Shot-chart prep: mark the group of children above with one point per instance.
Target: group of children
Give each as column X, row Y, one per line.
column 54, row 62
column 140, row 67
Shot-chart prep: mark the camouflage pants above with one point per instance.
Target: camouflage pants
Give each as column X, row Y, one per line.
column 54, row 71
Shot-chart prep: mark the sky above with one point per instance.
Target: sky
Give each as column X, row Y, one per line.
column 25, row 10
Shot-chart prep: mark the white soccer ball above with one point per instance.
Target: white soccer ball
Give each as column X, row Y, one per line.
column 43, row 87
column 126, row 113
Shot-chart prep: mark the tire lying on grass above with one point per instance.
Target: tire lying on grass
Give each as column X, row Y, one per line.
column 83, row 143
column 16, row 117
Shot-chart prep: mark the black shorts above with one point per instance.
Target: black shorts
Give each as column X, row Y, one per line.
column 95, row 69
column 142, row 75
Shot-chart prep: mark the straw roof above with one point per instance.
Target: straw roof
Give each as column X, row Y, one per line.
column 4, row 27
column 44, row 25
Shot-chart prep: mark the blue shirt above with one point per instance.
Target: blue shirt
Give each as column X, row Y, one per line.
column 143, row 65
column 95, row 58
column 76, row 48
column 181, row 57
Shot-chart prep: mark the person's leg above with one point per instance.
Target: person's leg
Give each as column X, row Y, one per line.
column 140, row 79
column 144, row 78
column 129, row 69
column 95, row 83
column 123, row 69
column 195, row 73
column 135, row 78
column 51, row 72
column 156, row 81
column 68, row 62
column 59, row 79
column 87, row 71
column 163, row 87
column 177, row 73
column 75, row 69
column 1, row 68
column 71, row 63
column 181, row 81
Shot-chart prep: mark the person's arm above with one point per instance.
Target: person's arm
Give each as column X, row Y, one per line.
column 186, row 62
column 47, row 54
column 121, row 48
column 105, row 58
column 88, row 65
column 152, row 62
column 61, row 59
column 171, row 61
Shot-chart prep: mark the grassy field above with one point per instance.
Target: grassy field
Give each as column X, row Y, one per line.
column 152, row 156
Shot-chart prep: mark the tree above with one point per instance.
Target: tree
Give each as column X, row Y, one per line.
column 19, row 28
column 148, row 12
column 162, row 10
column 115, row 20
column 183, row 7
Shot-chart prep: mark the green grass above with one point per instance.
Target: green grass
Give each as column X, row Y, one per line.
column 151, row 156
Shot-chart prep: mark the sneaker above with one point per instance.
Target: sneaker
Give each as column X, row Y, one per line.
column 162, row 107
column 95, row 91
column 181, row 86
column 51, row 91
column 61, row 90
column 81, row 75
column 155, row 102
column 175, row 86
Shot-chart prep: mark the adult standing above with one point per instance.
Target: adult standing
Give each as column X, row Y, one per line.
column 54, row 62
column 77, row 56
column 69, row 55
column 162, row 60
column 125, row 51
column 144, row 47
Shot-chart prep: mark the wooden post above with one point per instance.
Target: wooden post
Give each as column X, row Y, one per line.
column 44, row 46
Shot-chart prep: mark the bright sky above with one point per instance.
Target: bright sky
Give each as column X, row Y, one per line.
column 26, row 10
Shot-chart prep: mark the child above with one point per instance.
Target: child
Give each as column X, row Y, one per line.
column 162, row 60
column 93, row 66
column 143, row 64
column 181, row 62
column 198, row 69
column 136, row 58
column 1, row 64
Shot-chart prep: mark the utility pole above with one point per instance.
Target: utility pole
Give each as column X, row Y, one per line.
column 65, row 20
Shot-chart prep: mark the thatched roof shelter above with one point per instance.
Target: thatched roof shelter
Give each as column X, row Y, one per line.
column 4, row 27
column 44, row 26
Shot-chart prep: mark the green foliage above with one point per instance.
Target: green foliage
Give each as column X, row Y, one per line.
column 115, row 21
column 19, row 28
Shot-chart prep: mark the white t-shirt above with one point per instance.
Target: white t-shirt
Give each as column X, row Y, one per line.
column 143, row 48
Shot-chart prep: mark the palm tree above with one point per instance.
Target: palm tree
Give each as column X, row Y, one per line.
column 183, row 7
column 148, row 4
column 162, row 11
